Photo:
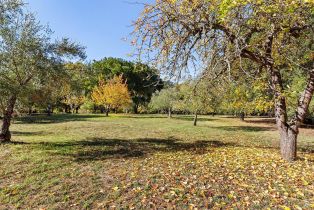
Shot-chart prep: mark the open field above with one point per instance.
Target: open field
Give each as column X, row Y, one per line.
column 149, row 161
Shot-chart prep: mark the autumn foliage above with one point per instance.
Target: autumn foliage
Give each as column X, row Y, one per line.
column 112, row 94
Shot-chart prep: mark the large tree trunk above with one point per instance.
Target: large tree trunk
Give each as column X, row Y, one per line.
column 288, row 142
column 5, row 135
column 289, row 131
column 288, row 134
column 195, row 119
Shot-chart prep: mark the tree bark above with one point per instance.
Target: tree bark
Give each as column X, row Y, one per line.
column 288, row 142
column 107, row 112
column 288, row 138
column 242, row 115
column 5, row 135
column 95, row 109
column 30, row 110
column 49, row 110
column 135, row 108
column 169, row 113
column 195, row 119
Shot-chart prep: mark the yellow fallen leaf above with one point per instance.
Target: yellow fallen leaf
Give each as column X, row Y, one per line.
column 115, row 188
column 285, row 208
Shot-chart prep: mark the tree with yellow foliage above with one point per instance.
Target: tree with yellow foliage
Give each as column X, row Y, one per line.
column 113, row 95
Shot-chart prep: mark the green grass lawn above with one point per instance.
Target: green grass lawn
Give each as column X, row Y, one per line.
column 149, row 161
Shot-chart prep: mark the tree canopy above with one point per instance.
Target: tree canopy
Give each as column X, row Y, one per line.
column 28, row 57
column 273, row 37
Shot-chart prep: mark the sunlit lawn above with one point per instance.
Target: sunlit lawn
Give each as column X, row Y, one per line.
column 149, row 161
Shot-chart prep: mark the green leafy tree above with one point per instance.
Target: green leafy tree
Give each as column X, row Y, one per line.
column 27, row 56
column 196, row 97
column 165, row 100
column 247, row 97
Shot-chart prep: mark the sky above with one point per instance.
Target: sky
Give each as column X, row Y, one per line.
column 102, row 26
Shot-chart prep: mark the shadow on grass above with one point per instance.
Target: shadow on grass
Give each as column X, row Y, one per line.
column 245, row 128
column 95, row 149
column 20, row 133
column 140, row 116
column 101, row 149
column 191, row 118
column 57, row 118
column 261, row 121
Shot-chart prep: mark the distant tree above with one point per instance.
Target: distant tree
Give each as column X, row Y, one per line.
column 248, row 97
column 72, row 99
column 27, row 56
column 75, row 88
column 197, row 97
column 142, row 80
column 165, row 100
column 113, row 94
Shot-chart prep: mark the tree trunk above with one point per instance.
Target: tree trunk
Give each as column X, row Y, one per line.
column 135, row 109
column 49, row 110
column 288, row 133
column 242, row 115
column 77, row 110
column 5, row 135
column 288, row 142
column 195, row 119
column 30, row 110
column 107, row 112
column 169, row 113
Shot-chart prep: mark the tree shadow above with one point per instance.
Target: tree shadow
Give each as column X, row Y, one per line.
column 56, row 118
column 262, row 121
column 272, row 121
column 25, row 133
column 191, row 118
column 140, row 116
column 245, row 128
column 102, row 149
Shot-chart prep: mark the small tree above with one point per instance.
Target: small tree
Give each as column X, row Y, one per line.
column 165, row 100
column 197, row 97
column 113, row 94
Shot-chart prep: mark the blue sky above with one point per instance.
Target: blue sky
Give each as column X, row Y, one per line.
column 100, row 25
